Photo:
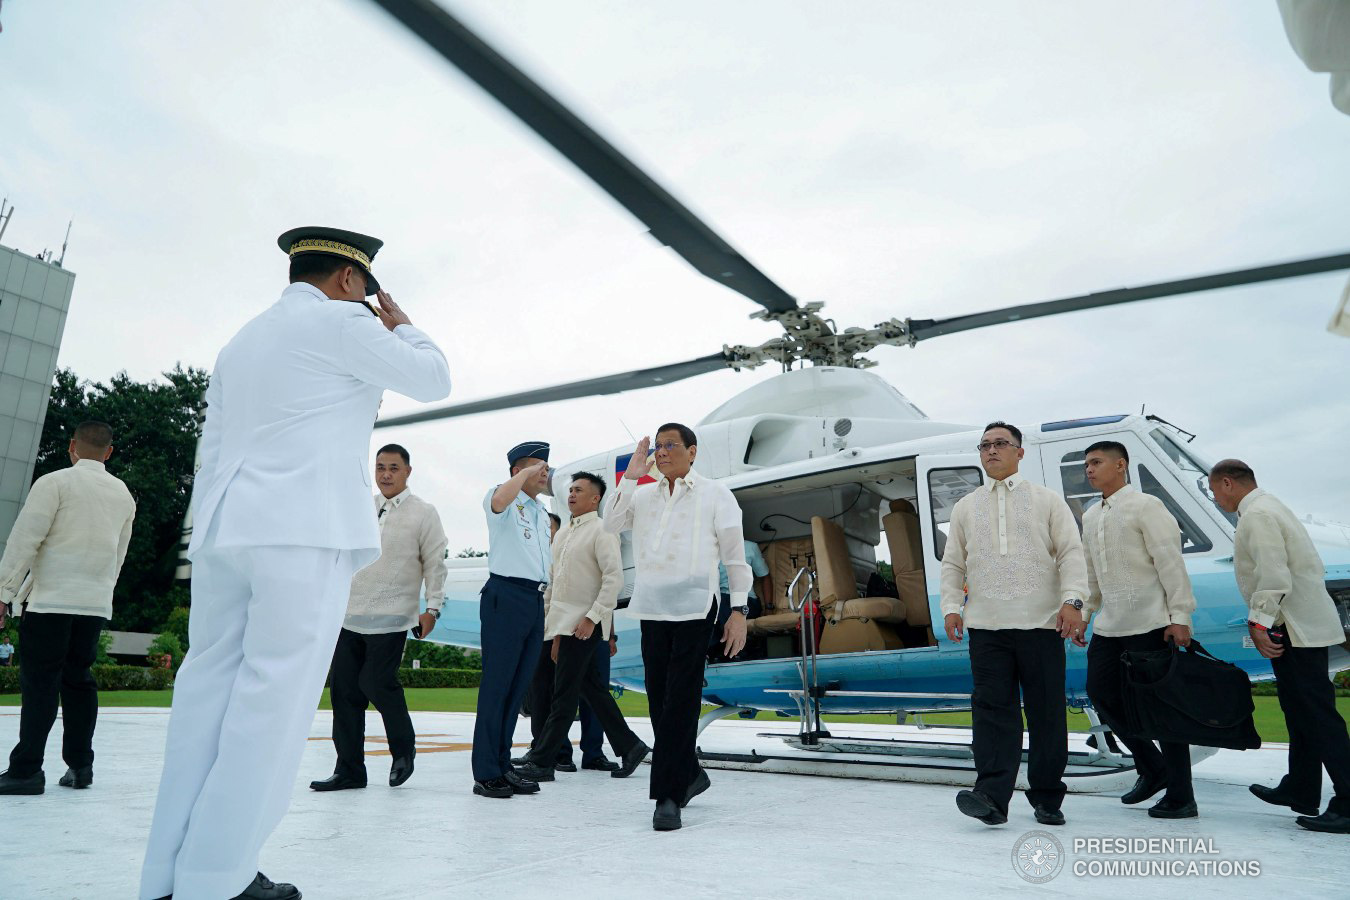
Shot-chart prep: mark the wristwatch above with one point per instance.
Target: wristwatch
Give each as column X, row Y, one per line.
column 1075, row 603
column 743, row 610
column 434, row 612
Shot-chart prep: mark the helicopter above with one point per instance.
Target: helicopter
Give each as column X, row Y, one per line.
column 840, row 477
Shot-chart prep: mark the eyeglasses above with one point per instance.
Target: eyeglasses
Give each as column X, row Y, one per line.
column 1000, row 444
column 668, row 446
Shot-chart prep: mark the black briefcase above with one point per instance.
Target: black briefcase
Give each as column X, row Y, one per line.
column 1190, row 697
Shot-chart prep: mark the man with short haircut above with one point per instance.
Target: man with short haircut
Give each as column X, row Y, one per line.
column 6, row 651
column 511, row 610
column 578, row 615
column 59, row 570
column 281, row 515
column 382, row 609
column 682, row 527
column 1292, row 621
column 1013, row 549
column 1141, row 596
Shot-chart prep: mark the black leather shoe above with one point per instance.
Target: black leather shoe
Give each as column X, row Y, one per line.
column 978, row 806
column 1047, row 816
column 520, row 760
column 32, row 785
column 701, row 784
column 1144, row 788
column 1329, row 822
column 1167, row 808
column 520, row 784
column 631, row 760
column 599, row 764
column 565, row 765
column 400, row 771
column 1276, row 797
column 263, row 888
column 666, row 817
column 532, row 773
column 78, row 778
column 497, row 788
column 336, row 782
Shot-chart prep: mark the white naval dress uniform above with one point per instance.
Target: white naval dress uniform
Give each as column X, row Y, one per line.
column 282, row 515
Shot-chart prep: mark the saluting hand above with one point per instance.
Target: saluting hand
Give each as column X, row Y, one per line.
column 638, row 465
column 391, row 314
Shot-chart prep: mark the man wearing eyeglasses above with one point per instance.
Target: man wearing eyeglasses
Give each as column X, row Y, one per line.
column 1013, row 573
column 682, row 527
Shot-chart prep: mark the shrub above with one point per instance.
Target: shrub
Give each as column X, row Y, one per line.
column 132, row 678
column 105, row 640
column 440, row 678
column 441, row 656
column 9, row 680
column 177, row 625
column 165, row 644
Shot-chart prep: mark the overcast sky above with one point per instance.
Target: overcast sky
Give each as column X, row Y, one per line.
column 891, row 159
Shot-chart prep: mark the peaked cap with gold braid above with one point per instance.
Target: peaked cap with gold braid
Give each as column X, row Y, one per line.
column 359, row 248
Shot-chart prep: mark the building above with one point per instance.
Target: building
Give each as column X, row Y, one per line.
column 34, row 297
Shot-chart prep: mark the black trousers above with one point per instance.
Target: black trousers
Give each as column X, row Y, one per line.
column 1106, row 690
column 673, row 654
column 365, row 671
column 541, row 699
column 58, row 650
column 1001, row 661
column 575, row 678
column 1317, row 735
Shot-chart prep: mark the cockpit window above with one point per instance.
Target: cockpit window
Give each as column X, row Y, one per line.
column 945, row 487
column 1190, row 467
column 1193, row 540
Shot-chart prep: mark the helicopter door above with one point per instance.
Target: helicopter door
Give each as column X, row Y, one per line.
column 943, row 480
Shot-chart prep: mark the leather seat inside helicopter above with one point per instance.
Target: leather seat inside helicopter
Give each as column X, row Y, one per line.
column 841, row 550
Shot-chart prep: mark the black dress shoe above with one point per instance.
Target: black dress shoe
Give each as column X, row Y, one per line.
column 978, row 806
column 1144, row 788
column 497, row 788
column 599, row 764
column 631, row 760
column 32, row 785
column 666, row 817
column 78, row 778
column 701, row 784
column 520, row 784
column 1329, row 822
column 520, row 760
column 263, row 888
column 1276, row 797
column 531, row 772
column 565, row 765
column 400, row 771
column 1047, row 816
column 1167, row 808
column 336, row 782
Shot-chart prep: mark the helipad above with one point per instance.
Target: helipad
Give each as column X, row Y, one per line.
column 755, row 834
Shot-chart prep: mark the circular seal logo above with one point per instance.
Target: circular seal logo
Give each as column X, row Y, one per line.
column 1038, row 856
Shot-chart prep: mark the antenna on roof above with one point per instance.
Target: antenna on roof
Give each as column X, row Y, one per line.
column 61, row 262
column 5, row 216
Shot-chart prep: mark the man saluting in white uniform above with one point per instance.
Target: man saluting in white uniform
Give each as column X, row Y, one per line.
column 281, row 523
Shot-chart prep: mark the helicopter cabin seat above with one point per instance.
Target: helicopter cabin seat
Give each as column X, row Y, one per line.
column 905, row 541
column 852, row 623
column 784, row 558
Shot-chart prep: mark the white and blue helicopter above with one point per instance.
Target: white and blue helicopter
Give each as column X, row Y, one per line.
column 838, row 474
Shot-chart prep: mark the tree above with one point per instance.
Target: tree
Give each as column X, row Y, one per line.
column 470, row 553
column 155, row 427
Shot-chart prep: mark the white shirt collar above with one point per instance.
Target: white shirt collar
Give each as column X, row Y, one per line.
column 1248, row 500
column 585, row 517
column 396, row 501
column 1118, row 496
column 304, row 287
column 90, row 464
column 1011, row 482
column 689, row 479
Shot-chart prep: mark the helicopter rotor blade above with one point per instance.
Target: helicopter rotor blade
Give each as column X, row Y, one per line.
column 608, row 384
column 923, row 329
column 670, row 221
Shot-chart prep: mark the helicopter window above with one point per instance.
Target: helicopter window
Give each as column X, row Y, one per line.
column 1190, row 468
column 1193, row 540
column 1077, row 492
column 945, row 487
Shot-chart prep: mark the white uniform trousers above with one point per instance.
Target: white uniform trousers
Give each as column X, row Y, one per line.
column 263, row 627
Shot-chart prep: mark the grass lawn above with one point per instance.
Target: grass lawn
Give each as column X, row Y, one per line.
column 1269, row 719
